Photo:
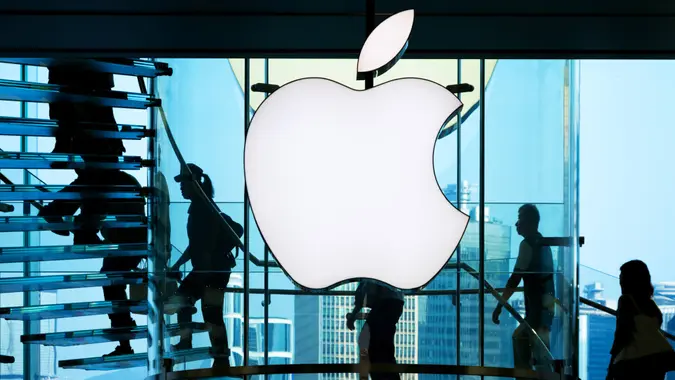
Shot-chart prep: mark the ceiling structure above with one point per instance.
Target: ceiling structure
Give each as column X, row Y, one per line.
column 336, row 29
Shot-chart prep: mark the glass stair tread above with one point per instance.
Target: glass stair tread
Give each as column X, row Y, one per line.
column 135, row 67
column 12, row 126
column 50, row 93
column 134, row 360
column 20, row 160
column 109, row 363
column 36, row 223
column 52, row 192
column 71, row 252
column 69, row 310
column 70, row 281
column 74, row 338
column 191, row 355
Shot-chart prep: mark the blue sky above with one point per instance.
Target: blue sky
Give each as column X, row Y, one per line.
column 626, row 159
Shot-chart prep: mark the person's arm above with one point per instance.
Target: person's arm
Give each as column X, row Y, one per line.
column 184, row 258
column 204, row 234
column 56, row 210
column 625, row 321
column 359, row 297
column 522, row 265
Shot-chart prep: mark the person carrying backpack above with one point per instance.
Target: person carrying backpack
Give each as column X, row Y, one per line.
column 640, row 351
column 210, row 250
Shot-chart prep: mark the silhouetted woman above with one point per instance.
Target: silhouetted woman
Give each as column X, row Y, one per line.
column 210, row 250
column 640, row 351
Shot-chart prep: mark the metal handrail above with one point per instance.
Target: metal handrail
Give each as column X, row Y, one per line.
column 504, row 303
column 184, row 167
column 362, row 368
column 611, row 311
column 474, row 274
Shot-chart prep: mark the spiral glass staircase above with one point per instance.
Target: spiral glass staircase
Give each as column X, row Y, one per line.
column 32, row 198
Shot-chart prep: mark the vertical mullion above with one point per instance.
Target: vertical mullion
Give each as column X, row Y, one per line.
column 31, row 358
column 458, row 286
column 481, row 220
column 247, row 117
column 156, row 264
column 266, row 259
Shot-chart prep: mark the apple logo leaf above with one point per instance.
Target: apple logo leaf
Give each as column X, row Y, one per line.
column 385, row 45
column 341, row 182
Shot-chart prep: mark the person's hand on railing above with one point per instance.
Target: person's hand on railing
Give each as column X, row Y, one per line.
column 496, row 314
column 351, row 318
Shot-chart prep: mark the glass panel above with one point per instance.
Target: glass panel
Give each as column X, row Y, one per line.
column 11, row 331
column 207, row 122
column 525, row 159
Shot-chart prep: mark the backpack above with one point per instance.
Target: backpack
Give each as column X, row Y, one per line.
column 227, row 242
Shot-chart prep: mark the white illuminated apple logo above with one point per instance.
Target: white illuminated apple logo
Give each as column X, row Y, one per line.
column 342, row 182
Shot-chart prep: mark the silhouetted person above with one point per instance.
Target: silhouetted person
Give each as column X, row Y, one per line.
column 77, row 77
column 92, row 212
column 210, row 250
column 534, row 267
column 640, row 351
column 386, row 307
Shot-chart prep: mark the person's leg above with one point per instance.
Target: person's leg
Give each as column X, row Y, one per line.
column 382, row 322
column 541, row 355
column 65, row 115
column 375, row 345
column 521, row 348
column 118, row 293
column 189, row 292
column 364, row 342
column 212, row 309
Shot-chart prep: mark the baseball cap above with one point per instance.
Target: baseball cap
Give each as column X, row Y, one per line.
column 184, row 175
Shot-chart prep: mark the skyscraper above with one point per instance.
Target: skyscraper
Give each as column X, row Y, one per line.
column 280, row 334
column 438, row 314
column 596, row 335
column 664, row 296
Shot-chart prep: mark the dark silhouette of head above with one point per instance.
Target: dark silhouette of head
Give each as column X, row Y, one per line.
column 191, row 181
column 528, row 220
column 635, row 280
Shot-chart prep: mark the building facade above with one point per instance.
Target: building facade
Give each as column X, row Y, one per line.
column 439, row 340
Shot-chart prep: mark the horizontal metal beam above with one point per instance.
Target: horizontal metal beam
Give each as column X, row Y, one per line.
column 345, row 8
column 268, row 28
column 358, row 368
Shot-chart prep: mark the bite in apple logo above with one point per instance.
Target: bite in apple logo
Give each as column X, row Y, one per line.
column 341, row 181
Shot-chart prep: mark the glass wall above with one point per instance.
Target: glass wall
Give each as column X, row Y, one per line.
column 514, row 143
